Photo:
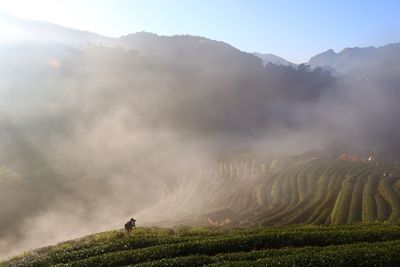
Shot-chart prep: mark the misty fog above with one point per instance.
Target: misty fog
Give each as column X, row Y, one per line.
column 93, row 135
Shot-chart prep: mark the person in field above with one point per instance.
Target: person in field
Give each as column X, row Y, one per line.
column 130, row 225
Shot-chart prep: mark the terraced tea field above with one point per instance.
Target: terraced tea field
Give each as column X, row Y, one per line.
column 356, row 245
column 316, row 191
column 309, row 212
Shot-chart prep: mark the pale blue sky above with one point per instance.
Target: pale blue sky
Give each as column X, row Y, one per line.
column 292, row 29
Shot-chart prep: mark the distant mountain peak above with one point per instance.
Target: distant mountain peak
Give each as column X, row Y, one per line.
column 353, row 58
column 271, row 58
column 330, row 52
column 141, row 34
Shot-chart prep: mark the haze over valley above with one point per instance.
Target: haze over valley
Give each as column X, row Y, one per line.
column 187, row 130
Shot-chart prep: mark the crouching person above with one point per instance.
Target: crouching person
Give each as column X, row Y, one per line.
column 130, row 225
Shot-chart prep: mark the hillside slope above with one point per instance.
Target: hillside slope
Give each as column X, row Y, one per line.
column 251, row 195
column 372, row 245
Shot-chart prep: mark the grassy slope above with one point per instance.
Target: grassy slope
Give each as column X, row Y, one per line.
column 356, row 245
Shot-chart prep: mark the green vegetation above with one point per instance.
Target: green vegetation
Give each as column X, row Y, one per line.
column 351, row 245
column 342, row 214
column 320, row 191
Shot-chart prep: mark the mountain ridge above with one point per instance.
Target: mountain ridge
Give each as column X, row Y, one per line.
column 353, row 58
column 348, row 59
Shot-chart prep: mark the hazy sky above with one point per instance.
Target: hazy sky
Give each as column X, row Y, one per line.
column 293, row 29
